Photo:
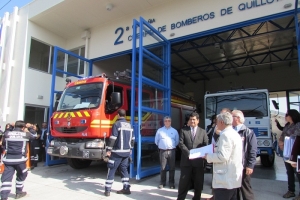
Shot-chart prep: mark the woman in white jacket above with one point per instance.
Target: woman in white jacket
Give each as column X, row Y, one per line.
column 227, row 160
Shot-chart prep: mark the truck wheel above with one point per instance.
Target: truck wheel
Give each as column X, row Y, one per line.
column 78, row 163
column 267, row 160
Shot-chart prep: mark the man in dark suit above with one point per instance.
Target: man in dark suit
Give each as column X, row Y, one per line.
column 191, row 171
column 43, row 140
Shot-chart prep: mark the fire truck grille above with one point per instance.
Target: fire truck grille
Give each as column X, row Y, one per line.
column 71, row 129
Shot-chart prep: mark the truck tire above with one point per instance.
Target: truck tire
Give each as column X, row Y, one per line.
column 78, row 163
column 267, row 160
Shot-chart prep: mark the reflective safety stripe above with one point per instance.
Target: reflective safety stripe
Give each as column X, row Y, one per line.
column 79, row 114
column 86, row 113
column 113, row 137
column 19, row 182
column 109, row 181
column 5, row 188
column 111, row 161
column 25, row 170
column 17, row 139
column 119, row 150
column 14, row 160
column 125, row 179
column 7, row 183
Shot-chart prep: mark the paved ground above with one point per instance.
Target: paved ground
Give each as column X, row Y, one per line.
column 64, row 183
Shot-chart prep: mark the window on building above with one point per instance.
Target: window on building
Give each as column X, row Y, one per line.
column 41, row 58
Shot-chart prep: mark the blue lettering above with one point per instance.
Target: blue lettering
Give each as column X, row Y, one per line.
column 270, row 1
column 229, row 10
column 223, row 12
column 212, row 15
column 129, row 38
column 252, row 4
column 173, row 26
column 257, row 4
column 189, row 21
column 194, row 20
column 161, row 29
column 262, row 2
column 242, row 7
column 200, row 18
column 206, row 16
column 178, row 24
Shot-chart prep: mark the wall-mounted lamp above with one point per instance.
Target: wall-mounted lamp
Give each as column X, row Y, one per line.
column 288, row 5
column 109, row 7
column 40, row 97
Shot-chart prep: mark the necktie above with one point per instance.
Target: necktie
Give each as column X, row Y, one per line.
column 193, row 132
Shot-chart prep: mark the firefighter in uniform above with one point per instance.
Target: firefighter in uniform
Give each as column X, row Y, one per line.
column 15, row 144
column 118, row 150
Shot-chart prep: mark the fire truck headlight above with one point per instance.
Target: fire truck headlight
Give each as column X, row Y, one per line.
column 52, row 143
column 266, row 142
column 94, row 145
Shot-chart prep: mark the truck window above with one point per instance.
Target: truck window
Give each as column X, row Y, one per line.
column 81, row 96
column 251, row 104
column 145, row 102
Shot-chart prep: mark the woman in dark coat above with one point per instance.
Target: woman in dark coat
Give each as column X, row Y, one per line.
column 35, row 147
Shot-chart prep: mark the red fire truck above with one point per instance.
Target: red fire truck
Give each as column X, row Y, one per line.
column 87, row 109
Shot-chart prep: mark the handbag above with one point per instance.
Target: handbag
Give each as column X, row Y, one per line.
column 288, row 145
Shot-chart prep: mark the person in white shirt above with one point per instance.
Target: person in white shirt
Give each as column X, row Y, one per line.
column 167, row 139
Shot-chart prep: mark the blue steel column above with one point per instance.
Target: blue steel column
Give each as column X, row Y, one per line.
column 60, row 161
column 297, row 32
column 90, row 68
column 133, row 83
column 140, row 99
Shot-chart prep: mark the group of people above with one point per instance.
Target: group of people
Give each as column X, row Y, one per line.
column 289, row 143
column 15, row 142
column 234, row 156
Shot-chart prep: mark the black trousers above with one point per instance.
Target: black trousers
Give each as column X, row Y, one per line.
column 290, row 171
column 42, row 152
column 7, row 177
column 188, row 176
column 167, row 157
column 245, row 190
column 225, row 194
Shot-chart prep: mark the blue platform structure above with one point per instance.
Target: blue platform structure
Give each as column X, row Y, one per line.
column 55, row 70
column 150, row 50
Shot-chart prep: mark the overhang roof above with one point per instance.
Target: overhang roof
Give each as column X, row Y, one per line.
column 264, row 46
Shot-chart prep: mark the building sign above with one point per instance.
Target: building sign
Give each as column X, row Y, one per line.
column 193, row 20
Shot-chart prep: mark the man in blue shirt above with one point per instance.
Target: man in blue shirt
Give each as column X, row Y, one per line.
column 167, row 139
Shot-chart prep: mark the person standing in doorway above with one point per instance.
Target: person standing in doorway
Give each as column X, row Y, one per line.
column 191, row 171
column 249, row 154
column 43, row 140
column 167, row 139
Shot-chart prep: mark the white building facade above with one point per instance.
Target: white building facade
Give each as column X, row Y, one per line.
column 103, row 29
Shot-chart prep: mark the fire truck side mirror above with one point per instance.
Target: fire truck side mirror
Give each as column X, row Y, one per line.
column 116, row 98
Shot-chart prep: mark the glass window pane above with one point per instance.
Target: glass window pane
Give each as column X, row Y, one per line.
column 72, row 66
column 39, row 55
column 251, row 104
column 60, row 63
column 34, row 115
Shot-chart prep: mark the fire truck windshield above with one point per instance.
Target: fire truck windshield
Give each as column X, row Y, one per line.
column 81, row 96
column 251, row 104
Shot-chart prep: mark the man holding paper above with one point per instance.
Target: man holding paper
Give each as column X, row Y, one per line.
column 191, row 170
column 227, row 160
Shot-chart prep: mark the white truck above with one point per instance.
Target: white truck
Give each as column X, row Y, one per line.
column 254, row 103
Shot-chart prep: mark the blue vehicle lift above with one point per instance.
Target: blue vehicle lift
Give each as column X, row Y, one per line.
column 49, row 160
column 138, row 79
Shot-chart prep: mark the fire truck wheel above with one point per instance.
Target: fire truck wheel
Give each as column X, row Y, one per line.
column 267, row 160
column 78, row 163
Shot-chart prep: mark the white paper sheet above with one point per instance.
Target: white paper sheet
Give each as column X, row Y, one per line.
column 200, row 152
column 298, row 164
